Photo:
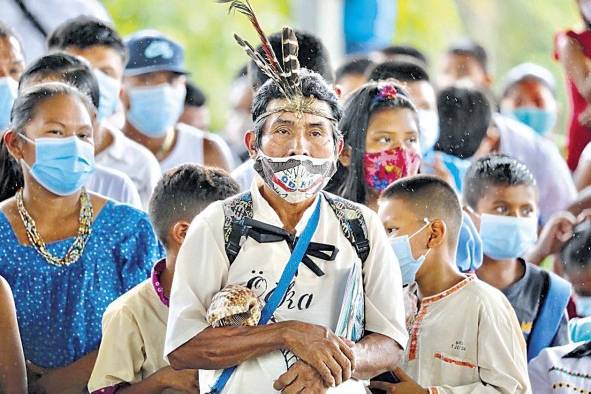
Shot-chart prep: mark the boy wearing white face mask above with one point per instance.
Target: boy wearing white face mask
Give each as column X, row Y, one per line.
column 501, row 194
column 465, row 336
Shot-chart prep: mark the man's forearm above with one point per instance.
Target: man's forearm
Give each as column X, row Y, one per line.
column 223, row 347
column 375, row 354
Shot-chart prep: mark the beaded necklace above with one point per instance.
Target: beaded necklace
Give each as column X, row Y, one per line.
column 76, row 249
column 158, row 287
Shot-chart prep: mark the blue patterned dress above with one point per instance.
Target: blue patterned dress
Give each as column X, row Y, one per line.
column 60, row 309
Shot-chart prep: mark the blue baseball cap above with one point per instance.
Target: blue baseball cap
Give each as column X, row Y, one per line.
column 151, row 51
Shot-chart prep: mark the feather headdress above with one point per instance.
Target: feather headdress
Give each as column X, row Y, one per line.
column 286, row 75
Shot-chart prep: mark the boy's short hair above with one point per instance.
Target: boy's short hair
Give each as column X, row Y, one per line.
column 195, row 96
column 469, row 47
column 85, row 31
column 576, row 253
column 407, row 70
column 405, row 50
column 431, row 198
column 357, row 65
column 494, row 170
column 464, row 117
column 184, row 192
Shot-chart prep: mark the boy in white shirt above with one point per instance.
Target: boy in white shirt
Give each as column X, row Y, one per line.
column 465, row 337
column 130, row 357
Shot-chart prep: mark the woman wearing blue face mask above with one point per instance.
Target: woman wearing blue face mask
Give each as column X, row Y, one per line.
column 66, row 253
column 501, row 194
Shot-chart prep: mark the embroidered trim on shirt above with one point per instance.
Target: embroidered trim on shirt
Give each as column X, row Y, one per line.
column 158, row 288
column 454, row 361
column 433, row 390
column 569, row 386
column 414, row 331
column 571, row 373
column 448, row 292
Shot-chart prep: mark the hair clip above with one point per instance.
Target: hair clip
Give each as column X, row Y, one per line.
column 386, row 92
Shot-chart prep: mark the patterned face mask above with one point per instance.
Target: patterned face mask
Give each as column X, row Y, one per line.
column 383, row 168
column 295, row 178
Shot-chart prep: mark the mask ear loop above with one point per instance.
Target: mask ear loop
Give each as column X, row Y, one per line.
column 427, row 223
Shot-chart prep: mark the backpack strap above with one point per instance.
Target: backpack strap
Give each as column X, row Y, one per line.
column 236, row 209
column 550, row 314
column 352, row 223
column 239, row 208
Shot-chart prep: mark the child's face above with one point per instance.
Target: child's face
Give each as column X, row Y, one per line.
column 399, row 219
column 391, row 129
column 517, row 201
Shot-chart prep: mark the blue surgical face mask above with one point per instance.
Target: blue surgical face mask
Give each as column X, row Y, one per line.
column 541, row 121
column 109, row 89
column 583, row 305
column 507, row 237
column 8, row 93
column 153, row 110
column 469, row 254
column 62, row 165
column 408, row 264
column 429, row 129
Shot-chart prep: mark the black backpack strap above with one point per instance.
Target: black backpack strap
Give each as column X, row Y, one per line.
column 236, row 209
column 352, row 223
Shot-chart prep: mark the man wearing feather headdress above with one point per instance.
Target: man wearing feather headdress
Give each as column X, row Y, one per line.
column 295, row 144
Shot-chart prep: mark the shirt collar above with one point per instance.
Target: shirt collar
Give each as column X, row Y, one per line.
column 446, row 293
column 158, row 288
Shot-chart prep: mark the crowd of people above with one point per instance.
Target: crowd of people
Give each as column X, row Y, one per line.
column 366, row 228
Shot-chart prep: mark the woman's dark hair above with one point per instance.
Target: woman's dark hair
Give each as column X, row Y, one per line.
column 348, row 182
column 23, row 111
column 66, row 68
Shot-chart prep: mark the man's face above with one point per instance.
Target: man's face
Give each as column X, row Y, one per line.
column 529, row 93
column 516, row 201
column 177, row 81
column 457, row 67
column 12, row 61
column 103, row 58
column 289, row 134
column 422, row 94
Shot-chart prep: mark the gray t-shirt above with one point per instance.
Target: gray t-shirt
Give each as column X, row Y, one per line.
column 525, row 295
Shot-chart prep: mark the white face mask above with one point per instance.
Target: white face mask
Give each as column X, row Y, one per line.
column 295, row 178
column 429, row 129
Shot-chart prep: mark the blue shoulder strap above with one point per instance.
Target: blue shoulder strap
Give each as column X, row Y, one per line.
column 549, row 316
column 286, row 277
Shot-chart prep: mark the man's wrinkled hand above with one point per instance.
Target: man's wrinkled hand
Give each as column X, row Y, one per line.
column 300, row 378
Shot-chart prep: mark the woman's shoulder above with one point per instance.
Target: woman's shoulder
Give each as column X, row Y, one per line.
column 116, row 214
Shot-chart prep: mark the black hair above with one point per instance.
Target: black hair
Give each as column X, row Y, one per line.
column 195, row 96
column 493, row 171
column 405, row 50
column 353, row 66
column 348, row 182
column 312, row 85
column 402, row 70
column 312, row 55
column 576, row 252
column 464, row 117
column 468, row 47
column 23, row 111
column 184, row 192
column 66, row 68
column 430, row 197
column 85, row 31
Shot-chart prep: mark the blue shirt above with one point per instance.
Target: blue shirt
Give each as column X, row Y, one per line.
column 59, row 309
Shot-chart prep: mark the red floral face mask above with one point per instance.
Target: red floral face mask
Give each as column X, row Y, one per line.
column 383, row 168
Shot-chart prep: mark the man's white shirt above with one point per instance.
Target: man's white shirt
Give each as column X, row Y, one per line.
column 203, row 269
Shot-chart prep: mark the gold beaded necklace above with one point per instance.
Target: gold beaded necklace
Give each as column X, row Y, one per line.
column 76, row 249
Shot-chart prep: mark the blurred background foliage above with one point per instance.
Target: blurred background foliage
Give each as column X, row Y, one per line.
column 513, row 31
